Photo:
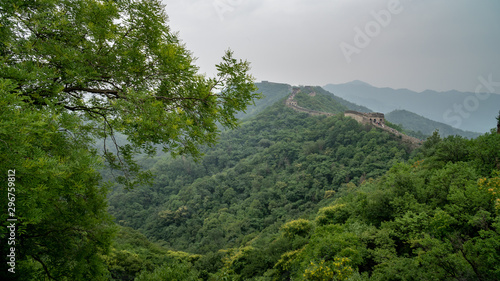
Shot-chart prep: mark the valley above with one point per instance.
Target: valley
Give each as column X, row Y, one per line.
column 274, row 196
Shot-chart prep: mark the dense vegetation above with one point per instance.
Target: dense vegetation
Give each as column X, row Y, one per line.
column 71, row 72
column 276, row 167
column 316, row 98
column 286, row 196
column 272, row 168
column 432, row 217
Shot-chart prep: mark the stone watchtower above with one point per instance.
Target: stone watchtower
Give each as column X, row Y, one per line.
column 376, row 117
column 290, row 102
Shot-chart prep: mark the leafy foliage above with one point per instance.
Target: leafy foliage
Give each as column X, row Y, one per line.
column 62, row 225
column 71, row 72
column 433, row 216
column 132, row 254
column 118, row 66
column 275, row 167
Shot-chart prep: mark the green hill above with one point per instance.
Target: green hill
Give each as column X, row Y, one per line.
column 318, row 99
column 271, row 93
column 277, row 166
column 290, row 196
column 417, row 123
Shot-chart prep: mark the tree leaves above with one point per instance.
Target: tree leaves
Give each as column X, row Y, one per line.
column 72, row 72
column 118, row 65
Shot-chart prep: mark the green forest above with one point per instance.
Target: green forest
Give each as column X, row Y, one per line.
column 121, row 162
column 288, row 196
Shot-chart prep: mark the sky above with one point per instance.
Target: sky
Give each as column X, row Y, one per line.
column 415, row 44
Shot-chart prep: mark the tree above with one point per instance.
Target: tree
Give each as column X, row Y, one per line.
column 58, row 205
column 118, row 66
column 498, row 123
column 71, row 72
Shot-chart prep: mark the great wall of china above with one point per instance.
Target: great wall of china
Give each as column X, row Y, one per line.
column 374, row 119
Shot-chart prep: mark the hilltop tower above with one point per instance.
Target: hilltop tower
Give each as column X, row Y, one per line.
column 376, row 118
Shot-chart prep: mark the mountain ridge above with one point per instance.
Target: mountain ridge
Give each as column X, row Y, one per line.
column 417, row 123
column 462, row 110
column 276, row 91
column 287, row 189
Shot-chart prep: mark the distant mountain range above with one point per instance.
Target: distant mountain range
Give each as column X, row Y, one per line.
column 462, row 110
column 274, row 92
column 417, row 123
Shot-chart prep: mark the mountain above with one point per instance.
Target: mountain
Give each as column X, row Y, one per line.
column 417, row 123
column 273, row 92
column 317, row 98
column 279, row 165
column 261, row 173
column 409, row 123
column 288, row 195
column 462, row 110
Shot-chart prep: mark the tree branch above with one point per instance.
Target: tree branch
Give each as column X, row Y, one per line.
column 44, row 267
column 91, row 90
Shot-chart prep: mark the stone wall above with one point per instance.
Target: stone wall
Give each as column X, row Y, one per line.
column 291, row 103
column 375, row 119
column 356, row 116
column 366, row 118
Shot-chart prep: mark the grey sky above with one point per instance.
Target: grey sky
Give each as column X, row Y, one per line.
column 426, row 44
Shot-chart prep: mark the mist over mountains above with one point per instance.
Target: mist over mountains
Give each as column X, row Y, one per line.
column 469, row 111
column 414, row 124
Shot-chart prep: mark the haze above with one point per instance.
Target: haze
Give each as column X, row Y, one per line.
column 437, row 45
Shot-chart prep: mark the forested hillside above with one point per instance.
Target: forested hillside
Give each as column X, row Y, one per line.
column 278, row 166
column 317, row 98
column 73, row 72
column 434, row 217
column 288, row 196
column 122, row 161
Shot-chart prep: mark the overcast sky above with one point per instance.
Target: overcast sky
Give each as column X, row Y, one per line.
column 421, row 44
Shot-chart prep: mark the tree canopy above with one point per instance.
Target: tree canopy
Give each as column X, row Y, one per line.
column 72, row 72
column 288, row 196
column 119, row 67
